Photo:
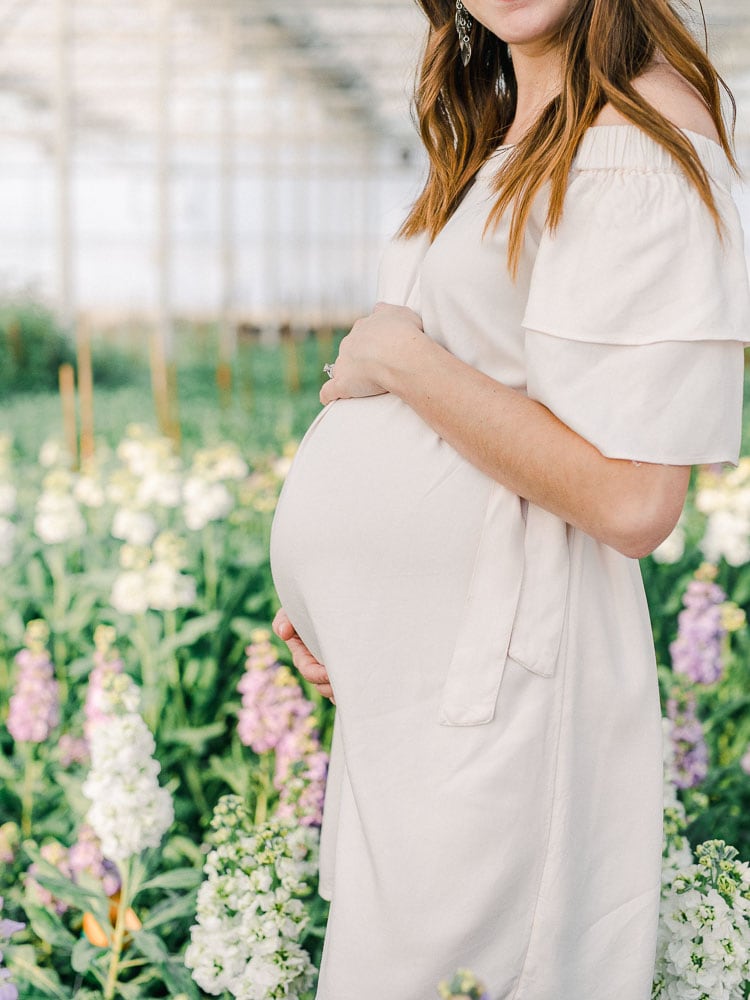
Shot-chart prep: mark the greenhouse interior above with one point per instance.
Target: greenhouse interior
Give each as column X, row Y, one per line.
column 194, row 199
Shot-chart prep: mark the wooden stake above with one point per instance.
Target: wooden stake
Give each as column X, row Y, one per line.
column 174, row 431
column 85, row 390
column 291, row 359
column 224, row 382
column 68, row 399
column 159, row 382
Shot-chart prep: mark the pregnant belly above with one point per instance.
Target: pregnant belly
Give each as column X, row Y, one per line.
column 378, row 517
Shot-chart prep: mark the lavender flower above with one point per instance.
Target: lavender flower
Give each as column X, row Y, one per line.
column 690, row 750
column 72, row 750
column 34, row 707
column 276, row 715
column 55, row 854
column 10, row 838
column 7, row 929
column 300, row 778
column 85, row 858
column 697, row 650
column 272, row 700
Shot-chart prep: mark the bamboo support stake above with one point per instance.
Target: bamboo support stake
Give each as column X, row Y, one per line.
column 291, row 359
column 159, row 381
column 68, row 399
column 85, row 390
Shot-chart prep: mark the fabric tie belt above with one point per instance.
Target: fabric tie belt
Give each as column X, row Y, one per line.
column 515, row 607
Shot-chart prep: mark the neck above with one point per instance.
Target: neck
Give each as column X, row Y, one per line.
column 538, row 71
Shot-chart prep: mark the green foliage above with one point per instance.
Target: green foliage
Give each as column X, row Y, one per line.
column 32, row 348
column 33, row 345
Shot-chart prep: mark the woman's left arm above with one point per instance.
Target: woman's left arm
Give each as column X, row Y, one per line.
column 513, row 439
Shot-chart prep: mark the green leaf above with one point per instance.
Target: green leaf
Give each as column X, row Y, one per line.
column 195, row 737
column 63, row 889
column 22, row 963
column 175, row 908
column 178, row 878
column 171, row 969
column 48, row 926
column 85, row 955
column 235, row 778
column 193, row 630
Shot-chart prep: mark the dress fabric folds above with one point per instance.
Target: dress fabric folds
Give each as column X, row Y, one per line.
column 495, row 793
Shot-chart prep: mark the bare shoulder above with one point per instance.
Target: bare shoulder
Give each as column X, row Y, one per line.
column 663, row 87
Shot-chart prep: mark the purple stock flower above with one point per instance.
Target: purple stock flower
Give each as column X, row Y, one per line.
column 690, row 750
column 72, row 750
column 7, row 928
column 300, row 776
column 273, row 703
column 56, row 854
column 84, row 857
column 697, row 650
column 276, row 715
column 34, row 709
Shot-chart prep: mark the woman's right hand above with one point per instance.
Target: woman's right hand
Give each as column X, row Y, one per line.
column 303, row 660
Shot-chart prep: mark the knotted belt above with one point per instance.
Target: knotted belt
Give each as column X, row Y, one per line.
column 515, row 607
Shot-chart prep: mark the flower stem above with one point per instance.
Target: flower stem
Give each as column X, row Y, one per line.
column 27, row 788
column 143, row 644
column 119, row 934
column 265, row 775
column 210, row 568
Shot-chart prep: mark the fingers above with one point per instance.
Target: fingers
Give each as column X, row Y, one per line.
column 306, row 663
column 310, row 668
column 282, row 626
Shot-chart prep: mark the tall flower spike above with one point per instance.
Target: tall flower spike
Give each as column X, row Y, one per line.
column 34, row 709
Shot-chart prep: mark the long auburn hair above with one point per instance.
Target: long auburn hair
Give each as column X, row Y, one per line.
column 463, row 113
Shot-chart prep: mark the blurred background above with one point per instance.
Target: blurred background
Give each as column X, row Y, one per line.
column 233, row 166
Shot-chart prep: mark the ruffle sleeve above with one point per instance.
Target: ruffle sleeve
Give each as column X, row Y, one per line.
column 638, row 310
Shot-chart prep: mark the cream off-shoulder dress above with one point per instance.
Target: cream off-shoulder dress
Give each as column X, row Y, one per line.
column 495, row 792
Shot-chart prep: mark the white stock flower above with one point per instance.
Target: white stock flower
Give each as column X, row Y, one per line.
column 53, row 454
column 167, row 589
column 58, row 518
column 129, row 595
column 89, row 491
column 672, row 548
column 204, row 502
column 704, row 929
column 246, row 938
column 7, row 539
column 728, row 535
column 8, row 498
column 134, row 526
column 225, row 462
column 159, row 488
column 129, row 811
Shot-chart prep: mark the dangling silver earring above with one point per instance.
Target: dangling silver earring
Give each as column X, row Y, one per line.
column 464, row 24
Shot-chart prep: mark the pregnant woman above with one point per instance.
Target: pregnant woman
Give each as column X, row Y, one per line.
column 559, row 338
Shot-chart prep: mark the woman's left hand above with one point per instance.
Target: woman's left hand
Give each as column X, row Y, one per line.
column 375, row 345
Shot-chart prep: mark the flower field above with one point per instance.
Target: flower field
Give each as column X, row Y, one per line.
column 162, row 768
